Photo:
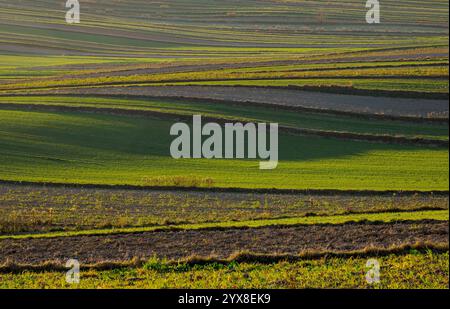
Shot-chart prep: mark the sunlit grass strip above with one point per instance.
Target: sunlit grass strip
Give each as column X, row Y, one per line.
column 217, row 75
column 442, row 215
column 416, row 269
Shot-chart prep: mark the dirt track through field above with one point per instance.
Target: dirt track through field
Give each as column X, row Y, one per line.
column 222, row 243
column 288, row 97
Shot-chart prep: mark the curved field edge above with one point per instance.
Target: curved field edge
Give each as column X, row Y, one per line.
column 413, row 267
column 369, row 86
column 384, row 108
column 387, row 217
column 123, row 100
column 317, row 124
column 208, row 77
column 86, row 148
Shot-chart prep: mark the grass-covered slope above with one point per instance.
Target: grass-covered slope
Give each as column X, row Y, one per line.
column 410, row 271
column 109, row 149
column 241, row 112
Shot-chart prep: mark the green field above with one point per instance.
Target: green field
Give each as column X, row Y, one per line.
column 294, row 43
column 415, row 270
column 106, row 149
column 85, row 165
column 241, row 112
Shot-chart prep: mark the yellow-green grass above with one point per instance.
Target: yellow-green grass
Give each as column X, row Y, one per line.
column 35, row 66
column 241, row 112
column 395, row 84
column 442, row 215
column 31, row 61
column 86, row 148
column 339, row 65
column 408, row 271
column 218, row 75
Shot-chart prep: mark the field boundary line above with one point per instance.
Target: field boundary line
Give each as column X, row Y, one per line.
column 333, row 112
column 286, row 129
column 371, row 218
column 228, row 189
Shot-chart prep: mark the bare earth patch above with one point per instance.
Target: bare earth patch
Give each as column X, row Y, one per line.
column 27, row 209
column 287, row 97
column 222, row 243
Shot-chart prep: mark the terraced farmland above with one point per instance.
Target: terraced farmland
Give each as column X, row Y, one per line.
column 85, row 165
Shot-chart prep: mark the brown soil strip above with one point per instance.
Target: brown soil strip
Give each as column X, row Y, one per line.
column 331, row 99
column 223, row 243
column 326, row 192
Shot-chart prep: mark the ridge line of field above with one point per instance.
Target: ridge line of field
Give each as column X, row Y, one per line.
column 238, row 257
column 228, row 189
column 286, row 129
column 371, row 218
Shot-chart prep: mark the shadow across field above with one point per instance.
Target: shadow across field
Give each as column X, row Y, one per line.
column 139, row 133
column 94, row 148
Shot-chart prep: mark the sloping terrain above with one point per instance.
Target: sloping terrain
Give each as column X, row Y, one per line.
column 86, row 173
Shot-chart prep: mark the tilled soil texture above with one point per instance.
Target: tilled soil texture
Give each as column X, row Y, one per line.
column 222, row 243
column 287, row 97
column 27, row 209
